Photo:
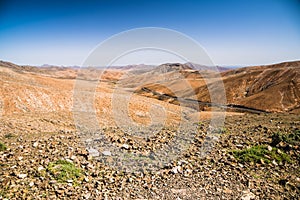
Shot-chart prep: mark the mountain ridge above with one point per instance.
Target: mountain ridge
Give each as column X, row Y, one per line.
column 270, row 88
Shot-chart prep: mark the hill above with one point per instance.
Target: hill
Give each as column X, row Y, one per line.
column 270, row 88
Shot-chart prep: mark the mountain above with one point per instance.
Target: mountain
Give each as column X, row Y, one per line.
column 204, row 67
column 274, row 88
column 270, row 88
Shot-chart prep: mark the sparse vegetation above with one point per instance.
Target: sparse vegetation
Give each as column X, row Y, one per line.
column 223, row 130
column 9, row 135
column 63, row 171
column 2, row 193
column 200, row 124
column 50, row 156
column 260, row 154
column 2, row 147
column 291, row 138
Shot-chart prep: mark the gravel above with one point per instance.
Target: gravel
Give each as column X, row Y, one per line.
column 25, row 174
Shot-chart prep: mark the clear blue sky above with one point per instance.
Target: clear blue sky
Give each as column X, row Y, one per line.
column 233, row 32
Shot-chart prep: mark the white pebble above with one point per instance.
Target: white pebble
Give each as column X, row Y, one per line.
column 22, row 176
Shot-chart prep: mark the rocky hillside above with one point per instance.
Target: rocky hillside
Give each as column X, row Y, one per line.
column 23, row 91
column 272, row 88
column 44, row 89
column 46, row 154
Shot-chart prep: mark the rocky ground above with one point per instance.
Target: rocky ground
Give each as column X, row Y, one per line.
column 55, row 164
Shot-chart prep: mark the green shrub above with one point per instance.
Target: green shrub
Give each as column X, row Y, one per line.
column 63, row 171
column 291, row 138
column 2, row 147
column 260, row 153
column 9, row 135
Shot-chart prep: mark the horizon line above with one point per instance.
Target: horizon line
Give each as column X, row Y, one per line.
column 125, row 65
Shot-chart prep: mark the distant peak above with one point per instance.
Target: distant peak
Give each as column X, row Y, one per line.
column 174, row 67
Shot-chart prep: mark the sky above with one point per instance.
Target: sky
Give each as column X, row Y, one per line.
column 232, row 32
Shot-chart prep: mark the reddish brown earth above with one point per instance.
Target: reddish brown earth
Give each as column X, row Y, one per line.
column 271, row 88
column 38, row 128
column 274, row 88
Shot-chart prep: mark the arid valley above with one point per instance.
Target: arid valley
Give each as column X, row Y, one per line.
column 54, row 121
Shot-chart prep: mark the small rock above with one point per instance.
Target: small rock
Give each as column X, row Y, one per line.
column 176, row 170
column 21, row 176
column 52, row 182
column 247, row 195
column 125, row 146
column 68, row 160
column 93, row 152
column 278, row 151
column 35, row 144
column 181, row 162
column 274, row 163
column 59, row 191
column 106, row 153
column 40, row 168
column 31, row 184
column 188, row 171
column 227, row 191
column 73, row 157
column 87, row 196
column 179, row 191
column 269, row 148
column 89, row 157
column 129, row 180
